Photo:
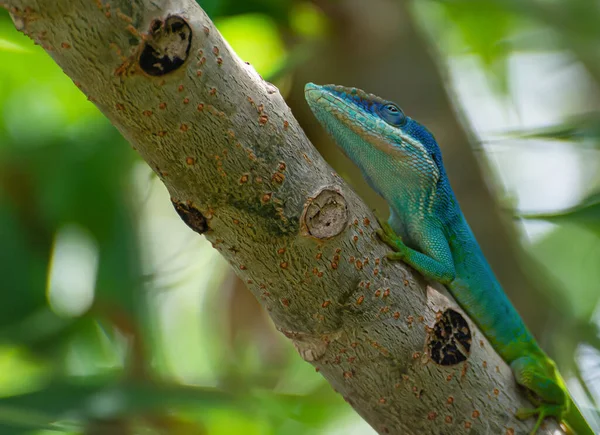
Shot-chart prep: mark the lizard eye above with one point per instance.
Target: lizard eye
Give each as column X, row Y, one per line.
column 392, row 114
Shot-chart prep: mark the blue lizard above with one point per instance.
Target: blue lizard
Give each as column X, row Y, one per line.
column 401, row 160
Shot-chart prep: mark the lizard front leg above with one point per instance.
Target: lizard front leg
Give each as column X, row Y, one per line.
column 436, row 264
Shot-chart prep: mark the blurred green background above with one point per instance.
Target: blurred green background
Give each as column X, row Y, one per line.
column 116, row 319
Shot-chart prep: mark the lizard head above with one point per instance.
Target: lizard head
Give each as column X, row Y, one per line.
column 390, row 148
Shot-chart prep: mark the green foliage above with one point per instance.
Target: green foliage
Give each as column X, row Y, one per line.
column 87, row 402
column 246, row 32
column 577, row 268
column 277, row 10
column 586, row 214
column 493, row 29
column 485, row 29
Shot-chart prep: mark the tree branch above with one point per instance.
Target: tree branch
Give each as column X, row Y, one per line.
column 241, row 171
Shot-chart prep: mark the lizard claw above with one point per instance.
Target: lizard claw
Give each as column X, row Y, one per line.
column 389, row 237
column 385, row 237
column 393, row 240
column 386, row 229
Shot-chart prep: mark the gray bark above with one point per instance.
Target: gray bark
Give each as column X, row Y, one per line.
column 241, row 171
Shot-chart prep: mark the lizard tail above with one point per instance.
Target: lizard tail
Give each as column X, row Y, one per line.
column 575, row 422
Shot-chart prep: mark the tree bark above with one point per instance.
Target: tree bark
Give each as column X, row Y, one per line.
column 241, row 171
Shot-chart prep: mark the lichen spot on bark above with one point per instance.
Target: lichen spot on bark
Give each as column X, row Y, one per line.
column 326, row 214
column 191, row 216
column 449, row 341
column 167, row 46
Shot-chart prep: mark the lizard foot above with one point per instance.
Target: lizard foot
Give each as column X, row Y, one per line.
column 389, row 237
column 543, row 411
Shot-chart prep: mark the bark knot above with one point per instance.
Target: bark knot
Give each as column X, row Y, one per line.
column 167, row 46
column 191, row 216
column 326, row 214
column 449, row 341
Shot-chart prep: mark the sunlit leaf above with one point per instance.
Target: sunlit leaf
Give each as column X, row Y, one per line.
column 255, row 38
column 19, row 372
column 308, row 20
column 6, row 45
column 276, row 10
column 43, row 92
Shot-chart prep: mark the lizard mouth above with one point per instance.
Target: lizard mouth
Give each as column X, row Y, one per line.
column 326, row 104
column 322, row 98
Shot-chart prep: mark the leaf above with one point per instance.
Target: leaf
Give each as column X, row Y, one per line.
column 486, row 29
column 245, row 33
column 64, row 404
column 24, row 246
column 278, row 10
column 580, row 128
column 6, row 45
column 571, row 255
column 18, row 422
column 586, row 214
column 314, row 409
column 86, row 401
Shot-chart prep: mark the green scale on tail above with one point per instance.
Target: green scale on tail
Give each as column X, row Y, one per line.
column 401, row 160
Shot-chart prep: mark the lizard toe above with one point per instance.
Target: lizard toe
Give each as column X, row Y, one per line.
column 395, row 256
column 384, row 237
